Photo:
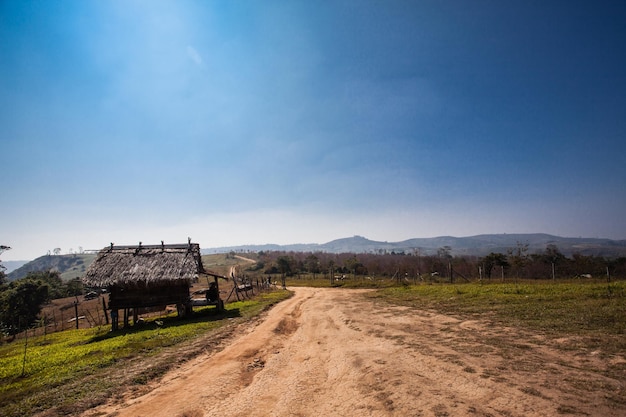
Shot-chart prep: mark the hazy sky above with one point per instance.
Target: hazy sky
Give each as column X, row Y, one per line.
column 236, row 122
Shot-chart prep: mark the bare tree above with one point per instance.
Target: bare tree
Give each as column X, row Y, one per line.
column 519, row 257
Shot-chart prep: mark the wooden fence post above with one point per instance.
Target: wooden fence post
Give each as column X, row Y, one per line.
column 76, row 313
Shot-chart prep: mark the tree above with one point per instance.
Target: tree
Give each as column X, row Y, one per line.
column 74, row 287
column 284, row 266
column 312, row 263
column 494, row 259
column 354, row 266
column 519, row 257
column 553, row 254
column 56, row 287
column 553, row 257
column 56, row 251
column 20, row 304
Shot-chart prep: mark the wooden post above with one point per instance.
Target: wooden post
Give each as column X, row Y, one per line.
column 220, row 303
column 104, row 308
column 76, row 313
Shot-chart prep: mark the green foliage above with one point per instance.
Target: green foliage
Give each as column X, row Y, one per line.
column 21, row 303
column 21, row 300
column 284, row 264
column 52, row 279
column 492, row 260
column 74, row 287
column 257, row 266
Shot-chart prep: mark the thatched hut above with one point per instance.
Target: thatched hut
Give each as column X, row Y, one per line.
column 147, row 276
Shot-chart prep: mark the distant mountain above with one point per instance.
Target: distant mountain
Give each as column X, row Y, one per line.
column 72, row 266
column 12, row 265
column 479, row 245
column 69, row 266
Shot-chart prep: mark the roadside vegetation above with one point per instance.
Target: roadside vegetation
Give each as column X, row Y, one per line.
column 77, row 369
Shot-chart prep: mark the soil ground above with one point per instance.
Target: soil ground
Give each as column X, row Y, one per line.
column 335, row 352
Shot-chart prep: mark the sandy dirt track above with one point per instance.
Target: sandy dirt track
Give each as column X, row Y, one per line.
column 333, row 352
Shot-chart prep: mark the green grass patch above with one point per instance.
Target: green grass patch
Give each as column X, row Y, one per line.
column 29, row 370
column 596, row 311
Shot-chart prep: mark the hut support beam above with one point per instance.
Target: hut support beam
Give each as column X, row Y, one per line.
column 114, row 320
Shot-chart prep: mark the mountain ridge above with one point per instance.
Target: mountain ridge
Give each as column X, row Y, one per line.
column 477, row 245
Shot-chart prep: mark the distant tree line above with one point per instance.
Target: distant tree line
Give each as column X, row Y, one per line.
column 516, row 263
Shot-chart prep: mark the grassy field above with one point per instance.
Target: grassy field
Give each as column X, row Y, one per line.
column 592, row 314
column 77, row 369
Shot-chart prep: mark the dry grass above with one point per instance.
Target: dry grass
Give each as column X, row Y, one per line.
column 589, row 315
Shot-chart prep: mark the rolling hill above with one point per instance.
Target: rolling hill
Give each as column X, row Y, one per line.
column 70, row 266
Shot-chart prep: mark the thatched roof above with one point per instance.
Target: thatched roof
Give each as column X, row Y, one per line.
column 147, row 264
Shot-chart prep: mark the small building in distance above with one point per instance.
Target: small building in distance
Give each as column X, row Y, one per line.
column 147, row 276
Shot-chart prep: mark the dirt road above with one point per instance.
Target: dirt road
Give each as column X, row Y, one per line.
column 333, row 352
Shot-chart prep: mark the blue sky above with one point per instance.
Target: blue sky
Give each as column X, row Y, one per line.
column 299, row 122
